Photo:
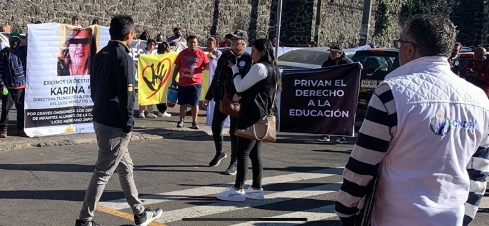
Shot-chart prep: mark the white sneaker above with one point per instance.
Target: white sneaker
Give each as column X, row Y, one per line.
column 252, row 193
column 230, row 194
column 164, row 114
column 147, row 217
column 141, row 115
column 151, row 115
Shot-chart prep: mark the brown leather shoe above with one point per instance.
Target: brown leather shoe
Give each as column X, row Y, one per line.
column 3, row 134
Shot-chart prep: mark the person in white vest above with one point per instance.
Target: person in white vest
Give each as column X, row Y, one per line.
column 425, row 136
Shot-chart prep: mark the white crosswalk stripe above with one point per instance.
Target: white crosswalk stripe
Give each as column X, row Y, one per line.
column 208, row 190
column 221, row 207
column 316, row 214
column 200, row 212
column 484, row 202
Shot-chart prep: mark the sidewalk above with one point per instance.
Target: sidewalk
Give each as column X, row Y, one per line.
column 144, row 129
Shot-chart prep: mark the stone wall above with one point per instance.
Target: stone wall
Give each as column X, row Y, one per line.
column 297, row 17
column 202, row 18
column 340, row 19
column 340, row 22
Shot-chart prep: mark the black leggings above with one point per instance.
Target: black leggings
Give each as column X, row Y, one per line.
column 161, row 107
column 14, row 97
column 252, row 149
column 218, row 125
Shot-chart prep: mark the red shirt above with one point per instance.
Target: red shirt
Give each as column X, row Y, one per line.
column 224, row 44
column 190, row 66
column 481, row 78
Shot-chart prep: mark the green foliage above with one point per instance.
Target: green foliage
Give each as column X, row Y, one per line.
column 382, row 19
column 413, row 7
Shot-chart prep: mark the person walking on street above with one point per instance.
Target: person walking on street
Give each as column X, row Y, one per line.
column 258, row 89
column 190, row 63
column 112, row 82
column 222, row 82
column 13, row 60
column 424, row 138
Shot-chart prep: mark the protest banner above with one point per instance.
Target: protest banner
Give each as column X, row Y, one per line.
column 155, row 74
column 151, row 68
column 57, row 98
column 319, row 101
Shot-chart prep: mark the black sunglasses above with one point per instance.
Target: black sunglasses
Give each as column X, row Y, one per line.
column 80, row 41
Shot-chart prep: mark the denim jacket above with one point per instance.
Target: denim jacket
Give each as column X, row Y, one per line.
column 12, row 70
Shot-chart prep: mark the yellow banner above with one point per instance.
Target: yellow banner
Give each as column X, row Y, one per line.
column 205, row 84
column 154, row 77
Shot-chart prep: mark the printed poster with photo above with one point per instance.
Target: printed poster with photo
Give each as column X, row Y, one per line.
column 57, row 99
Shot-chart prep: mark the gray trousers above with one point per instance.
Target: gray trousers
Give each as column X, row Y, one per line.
column 113, row 155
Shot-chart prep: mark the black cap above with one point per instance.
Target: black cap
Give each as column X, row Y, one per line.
column 335, row 47
column 240, row 34
column 228, row 36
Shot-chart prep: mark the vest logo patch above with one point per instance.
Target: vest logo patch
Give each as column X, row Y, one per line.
column 441, row 125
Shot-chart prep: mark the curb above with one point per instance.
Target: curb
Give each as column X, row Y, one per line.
column 140, row 134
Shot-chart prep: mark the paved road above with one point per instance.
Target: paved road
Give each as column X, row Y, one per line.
column 45, row 186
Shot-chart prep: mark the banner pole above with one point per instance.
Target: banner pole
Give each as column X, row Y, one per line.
column 279, row 24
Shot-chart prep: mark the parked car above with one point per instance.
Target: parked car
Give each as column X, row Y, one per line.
column 310, row 58
column 462, row 59
column 377, row 63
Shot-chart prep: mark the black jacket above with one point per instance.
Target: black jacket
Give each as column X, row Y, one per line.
column 342, row 60
column 256, row 102
column 112, row 86
column 222, row 80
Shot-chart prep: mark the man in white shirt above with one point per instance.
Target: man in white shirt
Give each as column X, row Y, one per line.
column 177, row 36
column 425, row 136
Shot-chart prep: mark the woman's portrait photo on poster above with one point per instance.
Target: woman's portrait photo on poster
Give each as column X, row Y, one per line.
column 74, row 57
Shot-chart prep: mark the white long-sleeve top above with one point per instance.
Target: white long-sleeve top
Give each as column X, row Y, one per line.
column 257, row 73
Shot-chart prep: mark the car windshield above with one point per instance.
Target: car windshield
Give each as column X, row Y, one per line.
column 376, row 64
column 304, row 56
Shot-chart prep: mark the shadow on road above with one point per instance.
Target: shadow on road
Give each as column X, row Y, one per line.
column 184, row 168
column 49, row 167
column 333, row 151
column 305, row 169
column 65, row 195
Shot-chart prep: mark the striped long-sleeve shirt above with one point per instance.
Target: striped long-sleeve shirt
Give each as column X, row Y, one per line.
column 374, row 137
